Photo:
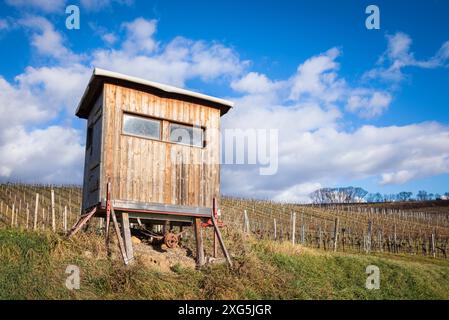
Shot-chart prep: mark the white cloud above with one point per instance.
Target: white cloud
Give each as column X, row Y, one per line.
column 173, row 63
column 399, row 47
column 443, row 53
column 42, row 5
column 139, row 37
column 50, row 155
column 210, row 61
column 399, row 56
column 58, row 87
column 51, row 6
column 4, row 25
column 316, row 77
column 298, row 193
column 34, row 148
column 314, row 147
column 47, row 40
column 399, row 177
column 18, row 106
column 316, row 83
column 254, row 82
column 96, row 5
column 109, row 38
column 307, row 108
column 368, row 103
column 395, row 154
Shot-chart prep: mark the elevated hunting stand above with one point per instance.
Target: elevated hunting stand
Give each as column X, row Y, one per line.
column 152, row 159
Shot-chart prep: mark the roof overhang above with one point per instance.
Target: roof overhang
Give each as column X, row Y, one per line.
column 100, row 77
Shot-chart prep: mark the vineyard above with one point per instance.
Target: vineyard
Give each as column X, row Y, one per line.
column 417, row 228
column 39, row 207
column 413, row 228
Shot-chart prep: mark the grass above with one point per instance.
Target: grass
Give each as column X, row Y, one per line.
column 32, row 266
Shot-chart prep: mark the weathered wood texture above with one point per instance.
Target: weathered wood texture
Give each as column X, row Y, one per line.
column 153, row 171
column 93, row 157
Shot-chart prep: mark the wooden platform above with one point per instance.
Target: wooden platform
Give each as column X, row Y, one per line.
column 156, row 212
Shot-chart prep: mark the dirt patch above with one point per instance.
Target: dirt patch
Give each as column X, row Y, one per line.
column 163, row 258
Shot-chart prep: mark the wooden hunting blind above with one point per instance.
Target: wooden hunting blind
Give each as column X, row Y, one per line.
column 152, row 150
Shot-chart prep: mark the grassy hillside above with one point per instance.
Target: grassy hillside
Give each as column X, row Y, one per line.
column 32, row 266
column 33, row 263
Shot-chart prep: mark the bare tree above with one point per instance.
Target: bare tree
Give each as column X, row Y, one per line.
column 339, row 195
column 404, row 196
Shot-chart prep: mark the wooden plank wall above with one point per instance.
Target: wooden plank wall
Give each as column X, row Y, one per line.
column 92, row 162
column 159, row 171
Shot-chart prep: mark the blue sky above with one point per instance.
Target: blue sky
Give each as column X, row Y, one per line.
column 353, row 106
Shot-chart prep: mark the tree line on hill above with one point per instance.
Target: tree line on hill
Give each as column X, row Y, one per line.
column 357, row 194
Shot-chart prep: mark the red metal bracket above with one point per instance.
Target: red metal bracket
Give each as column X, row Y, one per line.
column 209, row 222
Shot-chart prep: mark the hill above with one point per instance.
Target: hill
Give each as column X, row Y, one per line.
column 33, row 264
column 408, row 244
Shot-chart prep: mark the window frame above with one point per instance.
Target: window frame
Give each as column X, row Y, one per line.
column 164, row 129
column 160, row 138
column 203, row 129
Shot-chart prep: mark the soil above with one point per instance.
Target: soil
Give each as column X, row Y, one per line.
column 163, row 258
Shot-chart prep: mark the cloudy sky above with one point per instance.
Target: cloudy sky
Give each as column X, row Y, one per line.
column 353, row 106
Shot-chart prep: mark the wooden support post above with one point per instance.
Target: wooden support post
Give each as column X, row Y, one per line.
column 246, row 222
column 13, row 212
column 303, row 234
column 43, row 218
column 320, row 237
column 368, row 242
column 19, row 210
column 293, row 226
column 53, row 217
column 222, row 244
column 165, row 228
column 381, row 247
column 199, row 242
column 432, row 239
column 16, row 218
column 335, row 234
column 364, row 242
column 275, row 230
column 127, row 236
column 119, row 236
column 81, row 222
column 394, row 240
column 64, row 221
column 28, row 216
column 36, row 208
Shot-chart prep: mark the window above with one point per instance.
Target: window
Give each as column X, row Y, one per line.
column 142, row 127
column 184, row 134
column 89, row 139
